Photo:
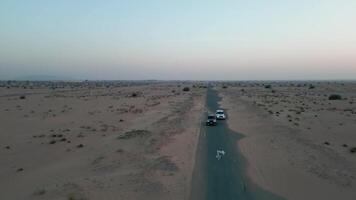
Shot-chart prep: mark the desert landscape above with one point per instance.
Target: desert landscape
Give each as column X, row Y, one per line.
column 98, row 140
column 139, row 139
column 178, row 100
column 300, row 139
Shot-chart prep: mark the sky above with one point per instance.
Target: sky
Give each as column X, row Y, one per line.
column 179, row 40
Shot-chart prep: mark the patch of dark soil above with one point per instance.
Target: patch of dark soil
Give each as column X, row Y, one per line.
column 134, row 134
column 164, row 163
column 97, row 160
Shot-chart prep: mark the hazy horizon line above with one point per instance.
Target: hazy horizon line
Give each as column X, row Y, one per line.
column 181, row 80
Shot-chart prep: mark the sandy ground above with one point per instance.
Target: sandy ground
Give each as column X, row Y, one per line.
column 298, row 142
column 98, row 140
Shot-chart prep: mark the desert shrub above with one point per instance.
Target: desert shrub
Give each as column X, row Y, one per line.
column 133, row 134
column 224, row 86
column 165, row 164
column 39, row 192
column 353, row 150
column 335, row 97
column 134, row 94
column 186, row 89
column 268, row 86
column 311, row 86
column 22, row 97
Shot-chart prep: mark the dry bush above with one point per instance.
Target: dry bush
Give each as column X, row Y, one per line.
column 335, row 97
column 186, row 89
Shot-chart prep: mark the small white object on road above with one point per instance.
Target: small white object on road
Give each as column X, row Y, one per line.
column 219, row 154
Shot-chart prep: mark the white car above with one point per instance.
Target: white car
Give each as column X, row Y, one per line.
column 220, row 114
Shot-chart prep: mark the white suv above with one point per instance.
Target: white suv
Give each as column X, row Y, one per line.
column 220, row 114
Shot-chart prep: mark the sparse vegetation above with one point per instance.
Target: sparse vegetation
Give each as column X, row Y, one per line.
column 291, row 112
column 353, row 150
column 186, row 89
column 120, row 151
column 134, row 133
column 335, row 97
column 39, row 192
column 76, row 198
column 164, row 163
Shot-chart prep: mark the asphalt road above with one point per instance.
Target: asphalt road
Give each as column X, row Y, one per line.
column 224, row 178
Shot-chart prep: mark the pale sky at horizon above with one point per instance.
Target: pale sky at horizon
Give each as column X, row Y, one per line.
column 160, row 39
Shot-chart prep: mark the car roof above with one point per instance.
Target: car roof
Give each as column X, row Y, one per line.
column 219, row 110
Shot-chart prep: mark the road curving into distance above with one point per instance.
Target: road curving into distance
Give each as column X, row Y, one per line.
column 222, row 178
